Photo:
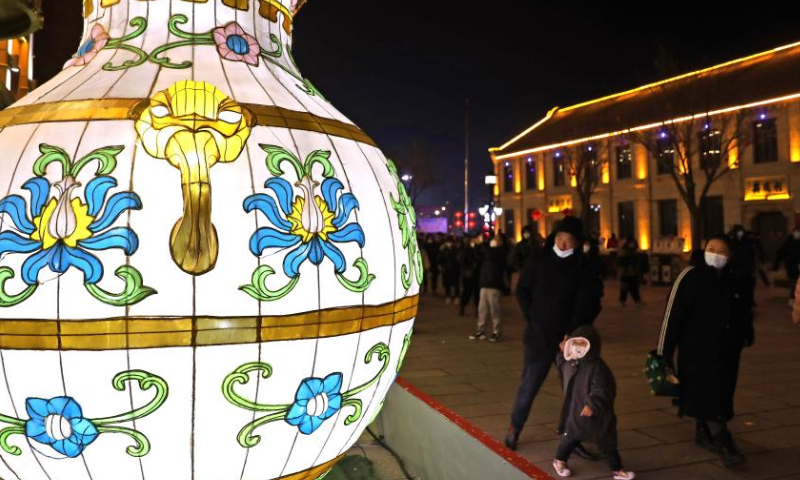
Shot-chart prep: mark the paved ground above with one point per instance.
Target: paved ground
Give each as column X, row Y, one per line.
column 479, row 380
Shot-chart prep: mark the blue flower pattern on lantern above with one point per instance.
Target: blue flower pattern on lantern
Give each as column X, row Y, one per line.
column 59, row 229
column 59, row 423
column 316, row 401
column 310, row 226
column 64, row 229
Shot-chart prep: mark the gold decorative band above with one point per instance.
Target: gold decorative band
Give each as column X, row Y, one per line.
column 129, row 109
column 138, row 332
column 313, row 473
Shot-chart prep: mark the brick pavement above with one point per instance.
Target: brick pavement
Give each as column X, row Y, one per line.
column 479, row 379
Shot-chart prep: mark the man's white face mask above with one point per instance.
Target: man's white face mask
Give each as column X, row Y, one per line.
column 576, row 348
column 563, row 253
column 526, row 235
column 587, row 248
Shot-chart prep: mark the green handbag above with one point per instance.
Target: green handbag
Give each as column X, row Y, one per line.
column 662, row 379
column 663, row 382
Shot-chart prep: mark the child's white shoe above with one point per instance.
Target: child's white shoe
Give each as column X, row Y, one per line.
column 561, row 468
column 623, row 475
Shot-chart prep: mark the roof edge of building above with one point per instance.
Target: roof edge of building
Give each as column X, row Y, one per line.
column 648, row 86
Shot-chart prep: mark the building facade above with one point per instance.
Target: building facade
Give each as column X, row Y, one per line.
column 636, row 195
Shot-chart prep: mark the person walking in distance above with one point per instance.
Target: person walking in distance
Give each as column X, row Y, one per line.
column 789, row 255
column 491, row 282
column 629, row 272
column 469, row 264
column 709, row 320
column 557, row 293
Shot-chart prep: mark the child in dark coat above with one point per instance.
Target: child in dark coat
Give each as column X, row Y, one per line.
column 588, row 411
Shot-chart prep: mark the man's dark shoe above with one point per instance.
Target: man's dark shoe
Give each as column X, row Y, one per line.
column 703, row 438
column 581, row 452
column 727, row 449
column 512, row 437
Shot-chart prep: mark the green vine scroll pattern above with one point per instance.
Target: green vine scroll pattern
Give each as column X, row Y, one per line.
column 407, row 220
column 300, row 413
column 140, row 26
column 404, row 350
column 82, row 431
column 56, row 228
column 308, row 219
column 185, row 39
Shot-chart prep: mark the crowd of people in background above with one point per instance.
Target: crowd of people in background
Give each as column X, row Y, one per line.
column 708, row 321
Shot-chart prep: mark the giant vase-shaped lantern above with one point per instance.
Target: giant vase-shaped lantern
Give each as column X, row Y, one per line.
column 206, row 270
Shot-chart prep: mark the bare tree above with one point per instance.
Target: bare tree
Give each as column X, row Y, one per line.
column 416, row 169
column 586, row 163
column 695, row 150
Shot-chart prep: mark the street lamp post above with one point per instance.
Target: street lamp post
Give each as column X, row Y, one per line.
column 489, row 213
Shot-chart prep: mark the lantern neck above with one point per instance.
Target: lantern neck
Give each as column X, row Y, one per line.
column 265, row 20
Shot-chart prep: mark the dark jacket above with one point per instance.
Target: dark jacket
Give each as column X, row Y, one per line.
column 556, row 295
column 709, row 322
column 469, row 261
column 744, row 256
column 588, row 381
column 789, row 254
column 448, row 262
column 493, row 267
column 522, row 251
column 628, row 262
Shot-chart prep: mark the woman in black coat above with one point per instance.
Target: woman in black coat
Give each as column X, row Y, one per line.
column 709, row 321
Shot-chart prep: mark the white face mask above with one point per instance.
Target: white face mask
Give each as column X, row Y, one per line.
column 740, row 234
column 526, row 235
column 563, row 253
column 716, row 260
column 493, row 243
column 576, row 348
column 796, row 235
column 587, row 248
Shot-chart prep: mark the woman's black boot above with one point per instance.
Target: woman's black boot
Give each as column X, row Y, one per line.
column 703, row 438
column 727, row 449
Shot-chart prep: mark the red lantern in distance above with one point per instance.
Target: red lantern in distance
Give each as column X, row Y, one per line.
column 536, row 215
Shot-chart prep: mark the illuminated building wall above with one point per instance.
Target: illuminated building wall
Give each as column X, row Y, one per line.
column 763, row 179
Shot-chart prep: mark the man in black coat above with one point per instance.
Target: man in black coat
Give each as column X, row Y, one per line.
column 789, row 254
column 744, row 259
column 557, row 293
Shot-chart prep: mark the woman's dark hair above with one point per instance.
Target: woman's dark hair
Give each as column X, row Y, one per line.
column 697, row 257
column 722, row 238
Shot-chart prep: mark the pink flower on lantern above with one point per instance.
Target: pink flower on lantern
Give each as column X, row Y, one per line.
column 234, row 44
column 98, row 38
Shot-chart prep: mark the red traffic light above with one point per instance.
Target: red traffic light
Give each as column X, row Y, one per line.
column 471, row 215
column 472, row 224
column 459, row 223
column 458, row 214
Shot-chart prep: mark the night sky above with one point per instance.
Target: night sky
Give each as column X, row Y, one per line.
column 402, row 70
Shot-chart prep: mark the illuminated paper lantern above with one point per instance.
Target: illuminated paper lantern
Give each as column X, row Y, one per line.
column 206, row 270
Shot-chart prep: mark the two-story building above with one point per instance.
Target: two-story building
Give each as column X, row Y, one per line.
column 637, row 195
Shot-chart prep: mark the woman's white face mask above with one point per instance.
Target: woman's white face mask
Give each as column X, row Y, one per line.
column 716, row 260
column 587, row 248
column 576, row 348
column 563, row 253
